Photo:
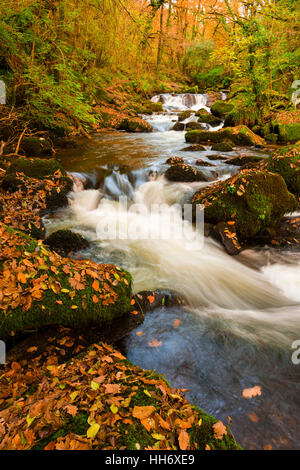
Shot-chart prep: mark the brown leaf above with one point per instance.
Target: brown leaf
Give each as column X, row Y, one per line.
column 184, row 440
column 142, row 412
column 252, row 392
column 219, row 430
column 112, row 388
column 154, row 343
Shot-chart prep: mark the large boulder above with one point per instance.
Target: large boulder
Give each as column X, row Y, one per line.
column 239, row 135
column 135, row 125
column 65, row 241
column 36, row 168
column 36, row 146
column 286, row 162
column 287, row 133
column 182, row 172
column 40, row 288
column 253, row 200
column 221, row 108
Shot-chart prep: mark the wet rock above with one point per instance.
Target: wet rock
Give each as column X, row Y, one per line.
column 194, row 148
column 135, row 125
column 178, row 126
column 148, row 301
column 184, row 173
column 194, row 125
column 216, row 157
column 253, row 200
column 184, row 115
column 36, row 146
column 206, row 117
column 174, row 160
column 239, row 135
column 200, row 162
column 229, row 238
column 65, row 242
column 243, row 160
column 12, row 184
column 212, row 97
column 226, row 146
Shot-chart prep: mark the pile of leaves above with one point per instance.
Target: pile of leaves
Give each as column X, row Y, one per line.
column 98, row 400
column 39, row 287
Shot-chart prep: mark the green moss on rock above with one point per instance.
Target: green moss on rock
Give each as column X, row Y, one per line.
column 36, row 168
column 226, row 146
column 36, row 146
column 239, row 135
column 135, row 125
column 287, row 132
column 221, row 108
column 50, row 290
column 286, row 162
column 182, row 172
column 66, row 241
column 255, row 200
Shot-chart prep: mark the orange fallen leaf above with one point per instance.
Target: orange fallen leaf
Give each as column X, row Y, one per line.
column 184, row 440
column 154, row 343
column 176, row 323
column 252, row 392
column 142, row 412
column 151, row 299
column 219, row 430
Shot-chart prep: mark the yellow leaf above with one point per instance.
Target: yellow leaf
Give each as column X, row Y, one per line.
column 114, row 408
column 93, row 431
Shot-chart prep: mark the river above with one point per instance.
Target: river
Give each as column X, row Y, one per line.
column 242, row 313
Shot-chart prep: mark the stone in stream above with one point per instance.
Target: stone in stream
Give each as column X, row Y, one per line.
column 184, row 115
column 221, row 108
column 225, row 146
column 194, row 148
column 135, row 124
column 194, row 125
column 174, row 160
column 200, row 162
column 286, row 162
column 253, row 201
column 182, row 172
column 239, row 135
column 178, row 126
column 216, row 157
column 64, row 242
column 243, row 160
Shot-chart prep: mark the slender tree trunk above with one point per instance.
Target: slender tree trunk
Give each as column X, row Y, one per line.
column 160, row 39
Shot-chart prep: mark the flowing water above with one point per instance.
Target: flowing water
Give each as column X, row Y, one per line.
column 240, row 321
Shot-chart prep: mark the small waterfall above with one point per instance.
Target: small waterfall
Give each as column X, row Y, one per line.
column 182, row 102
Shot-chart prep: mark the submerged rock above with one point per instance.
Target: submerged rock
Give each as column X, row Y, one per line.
column 40, row 288
column 182, row 172
column 252, row 200
column 239, row 135
column 65, row 242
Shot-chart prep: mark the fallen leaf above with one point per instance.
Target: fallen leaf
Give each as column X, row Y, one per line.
column 219, row 430
column 252, row 392
column 184, row 440
column 142, row 412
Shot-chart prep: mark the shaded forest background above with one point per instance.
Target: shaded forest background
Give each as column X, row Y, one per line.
column 64, row 61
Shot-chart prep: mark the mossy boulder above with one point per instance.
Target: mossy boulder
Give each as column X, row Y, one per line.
column 287, row 132
column 149, row 108
column 135, row 125
column 178, row 126
column 39, row 288
column 182, row 172
column 36, row 168
column 36, row 146
column 66, row 241
column 286, row 162
column 174, row 160
column 205, row 117
column 254, row 200
column 12, row 184
column 239, row 135
column 242, row 160
column 226, row 146
column 98, row 400
column 194, row 125
column 194, row 148
column 184, row 115
column 221, row 108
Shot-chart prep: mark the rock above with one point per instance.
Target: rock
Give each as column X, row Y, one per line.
column 254, row 200
column 88, row 293
column 286, row 162
column 174, row 160
column 57, row 196
column 36, row 168
column 178, row 126
column 64, row 242
column 287, row 132
column 203, row 163
column 184, row 173
column 212, row 97
column 228, row 238
column 216, row 157
column 239, row 135
column 242, row 160
column 194, row 125
column 12, row 184
column 150, row 107
column 208, row 118
column 184, row 115
column 221, row 108
column 225, row 146
column 194, row 148
column 36, row 146
column 135, row 124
